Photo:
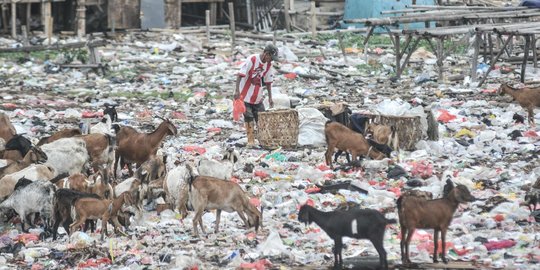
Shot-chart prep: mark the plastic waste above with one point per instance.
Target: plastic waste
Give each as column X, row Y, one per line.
column 238, row 109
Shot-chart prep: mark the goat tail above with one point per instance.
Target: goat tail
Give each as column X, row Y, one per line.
column 391, row 220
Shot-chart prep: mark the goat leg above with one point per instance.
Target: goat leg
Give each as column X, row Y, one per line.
column 435, row 244
column 103, row 228
column 530, row 110
column 241, row 214
column 377, row 241
column 443, row 239
column 407, row 243
column 218, row 216
column 402, row 243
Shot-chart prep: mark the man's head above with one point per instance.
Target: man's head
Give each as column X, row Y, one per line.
column 270, row 53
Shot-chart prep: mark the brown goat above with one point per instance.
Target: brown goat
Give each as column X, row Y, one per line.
column 528, row 98
column 94, row 184
column 7, row 130
column 100, row 149
column 104, row 209
column 415, row 212
column 418, row 193
column 135, row 147
column 208, row 193
column 383, row 134
column 35, row 155
column 341, row 137
column 64, row 133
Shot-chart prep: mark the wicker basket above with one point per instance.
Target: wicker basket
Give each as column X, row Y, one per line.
column 278, row 128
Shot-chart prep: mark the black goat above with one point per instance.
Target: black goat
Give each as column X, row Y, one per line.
column 356, row 223
column 63, row 201
column 111, row 111
column 20, row 143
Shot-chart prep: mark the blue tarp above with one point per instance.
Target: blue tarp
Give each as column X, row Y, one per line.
column 530, row 3
column 361, row 9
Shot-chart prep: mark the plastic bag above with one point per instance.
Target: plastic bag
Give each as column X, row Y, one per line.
column 238, row 109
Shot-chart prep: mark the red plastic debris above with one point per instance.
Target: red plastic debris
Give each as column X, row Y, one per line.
column 193, row 148
column 87, row 114
column 423, row 169
column 323, row 167
column 291, row 76
column 498, row 217
column 258, row 265
column 9, row 106
column 214, row 129
column 530, row 134
column 94, row 262
column 178, row 115
column 445, row 116
column 261, row 174
column 255, row 201
column 26, row 237
column 492, row 245
column 313, row 190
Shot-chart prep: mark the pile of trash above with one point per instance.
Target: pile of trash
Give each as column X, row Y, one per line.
column 482, row 145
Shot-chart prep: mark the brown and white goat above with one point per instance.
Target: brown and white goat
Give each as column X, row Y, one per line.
column 136, row 147
column 64, row 133
column 383, row 134
column 94, row 184
column 419, row 213
column 528, row 98
column 208, row 193
column 100, row 148
column 341, row 137
column 35, row 155
column 104, row 209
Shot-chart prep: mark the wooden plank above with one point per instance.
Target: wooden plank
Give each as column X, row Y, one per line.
column 4, row 18
column 14, row 20
column 313, row 20
column 81, row 18
column 474, row 62
column 525, row 57
column 535, row 53
column 213, row 13
column 180, row 13
column 287, row 16
column 233, row 27
column 207, row 20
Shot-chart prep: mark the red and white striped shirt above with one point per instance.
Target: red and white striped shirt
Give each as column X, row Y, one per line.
column 254, row 73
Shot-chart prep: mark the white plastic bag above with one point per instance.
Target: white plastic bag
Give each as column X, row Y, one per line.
column 311, row 127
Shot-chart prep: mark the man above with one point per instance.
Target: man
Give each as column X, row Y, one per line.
column 256, row 72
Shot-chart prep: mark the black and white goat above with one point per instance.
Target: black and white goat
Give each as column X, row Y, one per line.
column 356, row 223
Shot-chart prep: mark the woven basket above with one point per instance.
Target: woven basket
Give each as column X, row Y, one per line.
column 278, row 129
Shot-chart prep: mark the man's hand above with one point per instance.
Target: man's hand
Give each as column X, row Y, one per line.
column 236, row 95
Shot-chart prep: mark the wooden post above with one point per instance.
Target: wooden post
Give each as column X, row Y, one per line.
column 25, row 35
column 525, row 57
column 207, row 13
column 342, row 46
column 14, row 20
column 213, row 13
column 313, row 20
column 293, row 10
column 81, row 18
column 490, row 44
column 50, row 32
column 179, row 19
column 248, row 11
column 28, row 16
column 397, row 51
column 535, row 53
column 474, row 62
column 287, row 16
column 4, row 18
column 232, row 23
column 47, row 18
column 491, row 65
column 440, row 56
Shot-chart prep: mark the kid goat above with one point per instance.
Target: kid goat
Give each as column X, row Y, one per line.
column 356, row 223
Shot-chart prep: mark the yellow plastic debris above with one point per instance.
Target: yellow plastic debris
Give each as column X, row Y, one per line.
column 465, row 132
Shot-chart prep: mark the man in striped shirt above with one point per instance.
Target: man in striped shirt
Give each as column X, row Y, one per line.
column 256, row 72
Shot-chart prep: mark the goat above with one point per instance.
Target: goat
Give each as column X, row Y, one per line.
column 7, row 130
column 100, row 149
column 64, row 133
column 136, row 188
column 208, row 193
column 17, row 147
column 340, row 137
column 383, row 134
column 62, row 203
column 135, row 147
column 67, row 155
column 435, row 214
column 219, row 169
column 532, row 197
column 110, row 111
column 33, row 172
column 104, row 209
column 356, row 223
column 528, row 98
column 176, row 188
column 102, row 127
column 23, row 182
column 36, row 197
column 35, row 155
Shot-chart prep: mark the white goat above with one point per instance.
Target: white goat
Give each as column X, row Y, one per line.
column 219, row 169
column 67, row 155
column 175, row 186
column 37, row 197
column 33, row 172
